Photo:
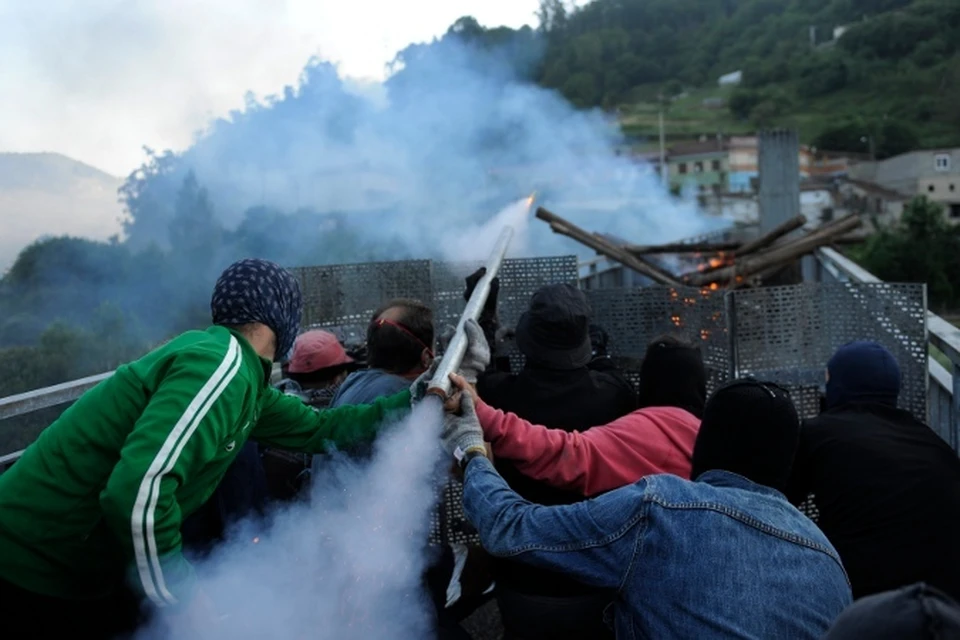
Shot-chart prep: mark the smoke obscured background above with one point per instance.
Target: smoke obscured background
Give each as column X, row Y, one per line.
column 331, row 172
column 426, row 166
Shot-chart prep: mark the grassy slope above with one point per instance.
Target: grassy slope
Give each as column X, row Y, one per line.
column 686, row 117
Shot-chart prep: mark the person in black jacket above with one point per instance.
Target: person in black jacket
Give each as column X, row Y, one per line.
column 917, row 612
column 886, row 486
column 567, row 383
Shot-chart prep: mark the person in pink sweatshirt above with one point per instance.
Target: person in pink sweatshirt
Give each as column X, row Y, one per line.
column 657, row 438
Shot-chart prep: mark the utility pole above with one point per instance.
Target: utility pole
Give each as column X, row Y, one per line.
column 663, row 149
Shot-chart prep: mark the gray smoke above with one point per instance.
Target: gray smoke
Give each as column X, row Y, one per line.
column 345, row 566
column 413, row 170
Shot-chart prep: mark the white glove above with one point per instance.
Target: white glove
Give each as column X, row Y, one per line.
column 463, row 431
column 477, row 358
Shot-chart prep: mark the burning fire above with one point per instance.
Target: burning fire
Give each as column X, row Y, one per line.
column 722, row 259
column 530, row 199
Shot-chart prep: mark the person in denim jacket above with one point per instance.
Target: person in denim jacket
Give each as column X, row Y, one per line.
column 722, row 556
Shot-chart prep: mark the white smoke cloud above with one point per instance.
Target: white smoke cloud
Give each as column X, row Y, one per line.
column 346, row 566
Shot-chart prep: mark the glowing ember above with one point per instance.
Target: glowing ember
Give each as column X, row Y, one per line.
column 714, row 286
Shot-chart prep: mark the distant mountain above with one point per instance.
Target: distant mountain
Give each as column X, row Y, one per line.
column 50, row 194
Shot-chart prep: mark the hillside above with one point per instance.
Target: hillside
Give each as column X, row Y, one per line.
column 47, row 194
column 847, row 73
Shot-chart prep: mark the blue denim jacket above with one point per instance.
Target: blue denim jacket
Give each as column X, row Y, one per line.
column 718, row 558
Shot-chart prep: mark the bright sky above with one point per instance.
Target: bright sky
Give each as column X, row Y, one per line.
column 98, row 79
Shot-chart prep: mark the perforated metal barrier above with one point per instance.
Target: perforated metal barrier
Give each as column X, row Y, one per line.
column 634, row 317
column 781, row 334
column 787, row 334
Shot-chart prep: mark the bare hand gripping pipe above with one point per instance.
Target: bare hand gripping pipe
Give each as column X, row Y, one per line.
column 453, row 357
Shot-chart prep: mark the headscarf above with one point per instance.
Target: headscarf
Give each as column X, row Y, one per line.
column 254, row 290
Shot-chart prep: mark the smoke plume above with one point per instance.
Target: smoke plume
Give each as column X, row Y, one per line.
column 458, row 136
column 345, row 566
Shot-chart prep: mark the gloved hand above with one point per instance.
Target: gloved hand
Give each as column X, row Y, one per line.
column 462, row 431
column 418, row 390
column 490, row 307
column 446, row 335
column 477, row 358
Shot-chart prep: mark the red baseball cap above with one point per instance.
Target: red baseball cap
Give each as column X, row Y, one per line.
column 315, row 350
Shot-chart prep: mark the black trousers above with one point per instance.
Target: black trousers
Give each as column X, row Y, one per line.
column 24, row 614
column 530, row 617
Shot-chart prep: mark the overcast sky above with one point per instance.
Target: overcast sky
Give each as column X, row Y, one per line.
column 98, row 79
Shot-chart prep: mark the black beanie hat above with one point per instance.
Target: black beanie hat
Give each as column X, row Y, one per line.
column 673, row 375
column 749, row 428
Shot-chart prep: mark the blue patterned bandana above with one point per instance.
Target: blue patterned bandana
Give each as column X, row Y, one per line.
column 254, row 290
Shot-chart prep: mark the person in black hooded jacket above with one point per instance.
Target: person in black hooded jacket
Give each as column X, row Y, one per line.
column 567, row 383
column 886, row 486
column 917, row 612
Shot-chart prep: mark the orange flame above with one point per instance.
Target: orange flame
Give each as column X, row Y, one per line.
column 531, row 198
column 714, row 286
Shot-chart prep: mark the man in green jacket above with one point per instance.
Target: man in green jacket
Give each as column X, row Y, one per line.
column 97, row 501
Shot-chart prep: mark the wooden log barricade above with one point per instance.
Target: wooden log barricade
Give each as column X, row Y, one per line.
column 723, row 263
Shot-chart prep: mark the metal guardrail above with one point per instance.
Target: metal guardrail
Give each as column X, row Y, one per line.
column 943, row 385
column 59, row 394
column 46, row 397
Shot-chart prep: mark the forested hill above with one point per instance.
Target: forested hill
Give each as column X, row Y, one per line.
column 891, row 78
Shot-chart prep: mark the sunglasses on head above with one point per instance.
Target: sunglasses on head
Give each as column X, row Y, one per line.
column 379, row 322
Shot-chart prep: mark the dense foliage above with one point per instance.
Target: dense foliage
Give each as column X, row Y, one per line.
column 923, row 247
column 889, row 82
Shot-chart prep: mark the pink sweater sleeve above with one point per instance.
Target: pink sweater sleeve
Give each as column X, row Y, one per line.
column 597, row 460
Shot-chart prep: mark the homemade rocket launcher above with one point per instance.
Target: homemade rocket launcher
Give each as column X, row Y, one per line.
column 452, row 358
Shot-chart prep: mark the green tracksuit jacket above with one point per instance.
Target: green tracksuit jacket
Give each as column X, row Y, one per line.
column 102, row 492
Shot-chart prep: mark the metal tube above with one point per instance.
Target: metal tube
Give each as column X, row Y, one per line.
column 453, row 357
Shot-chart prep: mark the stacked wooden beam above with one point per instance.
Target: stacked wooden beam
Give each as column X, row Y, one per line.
column 722, row 264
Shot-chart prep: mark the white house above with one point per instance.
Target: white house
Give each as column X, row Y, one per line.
column 731, row 79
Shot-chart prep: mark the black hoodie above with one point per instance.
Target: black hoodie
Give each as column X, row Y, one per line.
column 886, row 486
column 917, row 612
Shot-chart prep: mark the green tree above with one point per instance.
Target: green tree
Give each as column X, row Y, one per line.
column 923, row 247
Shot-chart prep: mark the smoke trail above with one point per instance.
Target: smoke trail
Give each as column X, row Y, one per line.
column 474, row 242
column 348, row 564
